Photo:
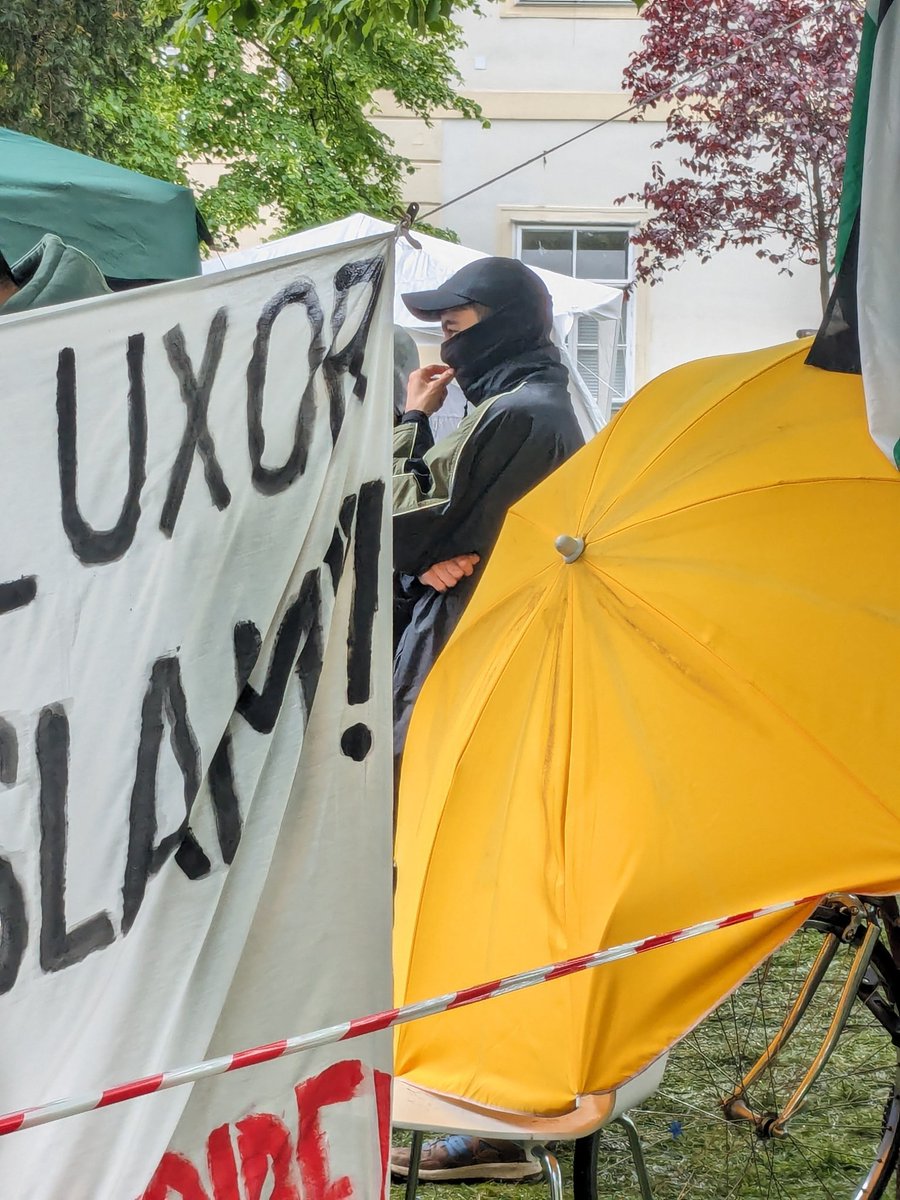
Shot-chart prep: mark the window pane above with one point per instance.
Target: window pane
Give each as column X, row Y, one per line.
column 619, row 379
column 587, row 369
column 550, row 249
column 602, row 254
column 602, row 377
column 588, row 333
column 587, row 354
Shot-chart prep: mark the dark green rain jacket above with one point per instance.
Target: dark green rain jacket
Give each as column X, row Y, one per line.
column 450, row 497
column 53, row 273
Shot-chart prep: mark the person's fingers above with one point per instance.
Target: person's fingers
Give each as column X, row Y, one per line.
column 466, row 563
column 432, row 580
column 442, row 575
column 447, row 572
column 434, row 373
column 427, row 389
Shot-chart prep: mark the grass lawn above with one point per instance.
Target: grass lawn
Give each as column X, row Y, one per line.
column 692, row 1151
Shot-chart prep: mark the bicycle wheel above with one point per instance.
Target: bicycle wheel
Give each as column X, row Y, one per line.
column 842, row 1143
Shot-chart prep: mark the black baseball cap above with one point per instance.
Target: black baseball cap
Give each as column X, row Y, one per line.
column 493, row 282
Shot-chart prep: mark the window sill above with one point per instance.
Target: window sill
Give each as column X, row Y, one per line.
column 624, row 10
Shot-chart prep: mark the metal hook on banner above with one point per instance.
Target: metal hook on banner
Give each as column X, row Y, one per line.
column 405, row 224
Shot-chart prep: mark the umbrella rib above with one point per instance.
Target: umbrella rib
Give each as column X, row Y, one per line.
column 521, row 516
column 748, row 491
column 473, row 616
column 681, row 433
column 788, row 717
column 537, row 609
column 568, row 766
column 596, row 471
column 474, row 724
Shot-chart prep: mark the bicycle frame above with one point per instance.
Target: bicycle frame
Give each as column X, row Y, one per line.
column 792, row 1084
column 775, row 1124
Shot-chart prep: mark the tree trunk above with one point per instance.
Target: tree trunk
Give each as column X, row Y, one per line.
column 821, row 238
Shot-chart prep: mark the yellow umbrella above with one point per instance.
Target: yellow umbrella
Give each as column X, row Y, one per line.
column 695, row 716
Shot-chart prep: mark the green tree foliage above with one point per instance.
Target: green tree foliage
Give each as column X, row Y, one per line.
column 56, row 58
column 353, row 22
column 280, row 111
column 288, row 118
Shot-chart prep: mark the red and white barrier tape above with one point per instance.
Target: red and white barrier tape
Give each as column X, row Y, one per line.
column 360, row 1026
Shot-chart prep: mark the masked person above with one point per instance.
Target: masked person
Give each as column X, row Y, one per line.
column 406, row 360
column 450, row 499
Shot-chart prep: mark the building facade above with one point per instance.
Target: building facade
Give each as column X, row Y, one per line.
column 543, row 73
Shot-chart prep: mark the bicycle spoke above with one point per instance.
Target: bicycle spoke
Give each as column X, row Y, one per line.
column 769, row 1188
column 832, row 1195
column 781, row 1193
column 832, row 1139
column 734, row 1192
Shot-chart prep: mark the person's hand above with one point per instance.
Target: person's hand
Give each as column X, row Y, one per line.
column 427, row 388
column 447, row 574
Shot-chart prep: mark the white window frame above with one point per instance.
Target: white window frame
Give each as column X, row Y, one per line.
column 627, row 282
column 617, row 10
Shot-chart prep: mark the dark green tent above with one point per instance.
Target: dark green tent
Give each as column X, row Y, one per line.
column 132, row 226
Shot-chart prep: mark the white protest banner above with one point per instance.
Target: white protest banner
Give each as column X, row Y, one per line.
column 195, row 795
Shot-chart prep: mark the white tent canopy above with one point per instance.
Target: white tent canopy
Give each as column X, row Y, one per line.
column 422, row 269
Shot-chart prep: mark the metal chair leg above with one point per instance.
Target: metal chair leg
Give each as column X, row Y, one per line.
column 637, row 1154
column 552, row 1173
column 584, row 1167
column 415, row 1156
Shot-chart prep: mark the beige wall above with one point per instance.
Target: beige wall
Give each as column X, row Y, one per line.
column 541, row 75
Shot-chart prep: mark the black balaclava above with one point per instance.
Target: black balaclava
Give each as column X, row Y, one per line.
column 519, row 321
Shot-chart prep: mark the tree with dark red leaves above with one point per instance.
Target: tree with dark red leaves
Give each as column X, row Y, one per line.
column 763, row 134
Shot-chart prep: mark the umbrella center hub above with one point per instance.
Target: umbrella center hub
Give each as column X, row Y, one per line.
column 569, row 547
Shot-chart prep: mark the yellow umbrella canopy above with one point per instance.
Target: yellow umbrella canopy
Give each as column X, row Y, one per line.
column 697, row 716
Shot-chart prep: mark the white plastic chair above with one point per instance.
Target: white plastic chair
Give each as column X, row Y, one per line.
column 417, row 1109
